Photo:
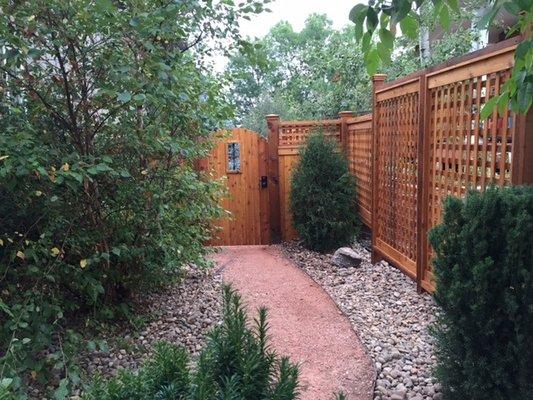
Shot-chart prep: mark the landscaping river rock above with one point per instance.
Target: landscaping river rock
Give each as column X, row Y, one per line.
column 182, row 314
column 391, row 318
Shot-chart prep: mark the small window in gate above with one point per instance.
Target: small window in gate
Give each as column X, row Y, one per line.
column 234, row 157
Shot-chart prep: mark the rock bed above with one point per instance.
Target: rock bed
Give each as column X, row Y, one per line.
column 389, row 315
column 181, row 315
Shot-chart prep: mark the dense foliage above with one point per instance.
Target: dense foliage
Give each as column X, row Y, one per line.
column 320, row 71
column 484, row 277
column 323, row 196
column 314, row 73
column 377, row 23
column 104, row 107
column 236, row 364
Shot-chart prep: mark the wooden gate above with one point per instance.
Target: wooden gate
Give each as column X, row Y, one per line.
column 241, row 157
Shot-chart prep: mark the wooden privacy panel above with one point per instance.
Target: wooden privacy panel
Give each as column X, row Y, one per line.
column 292, row 135
column 287, row 163
column 247, row 200
column 463, row 151
column 396, row 173
column 358, row 149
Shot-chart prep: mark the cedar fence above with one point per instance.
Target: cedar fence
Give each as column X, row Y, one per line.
column 423, row 141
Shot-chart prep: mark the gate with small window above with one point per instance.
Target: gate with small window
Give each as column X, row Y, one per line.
column 241, row 159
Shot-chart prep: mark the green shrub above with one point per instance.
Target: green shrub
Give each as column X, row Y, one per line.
column 104, row 108
column 323, row 196
column 236, row 364
column 484, row 277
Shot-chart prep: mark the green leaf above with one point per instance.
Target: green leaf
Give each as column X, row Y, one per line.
column 409, row 26
column 524, row 97
column 62, row 391
column 124, row 97
column 444, row 18
column 358, row 13
column 139, row 98
column 488, row 108
column 371, row 19
column 387, row 38
column 365, row 42
column 384, row 53
column 503, row 102
column 403, row 7
column 4, row 307
column 372, row 61
column 454, row 5
column 6, row 382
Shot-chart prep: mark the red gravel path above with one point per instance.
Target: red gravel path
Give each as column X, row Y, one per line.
column 305, row 324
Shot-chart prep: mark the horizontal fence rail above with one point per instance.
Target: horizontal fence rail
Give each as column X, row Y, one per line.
column 424, row 141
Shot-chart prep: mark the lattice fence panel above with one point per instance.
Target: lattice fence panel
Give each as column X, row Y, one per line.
column 359, row 152
column 295, row 133
column 396, row 213
column 466, row 152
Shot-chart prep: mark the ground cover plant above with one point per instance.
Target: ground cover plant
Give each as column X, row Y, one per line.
column 236, row 364
column 323, row 196
column 104, row 109
column 484, row 277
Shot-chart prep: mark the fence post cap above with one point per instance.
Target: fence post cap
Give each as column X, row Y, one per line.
column 379, row 77
column 272, row 116
column 347, row 114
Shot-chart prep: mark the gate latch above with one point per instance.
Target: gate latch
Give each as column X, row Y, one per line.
column 264, row 182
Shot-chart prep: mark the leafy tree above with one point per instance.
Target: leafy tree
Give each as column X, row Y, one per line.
column 315, row 73
column 311, row 74
column 104, row 108
column 236, row 364
column 376, row 25
column 323, row 196
column 484, row 277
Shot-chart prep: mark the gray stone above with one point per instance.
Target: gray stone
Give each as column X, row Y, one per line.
column 390, row 316
column 345, row 257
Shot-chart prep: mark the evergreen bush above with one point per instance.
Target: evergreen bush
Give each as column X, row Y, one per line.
column 484, row 278
column 236, row 364
column 323, row 196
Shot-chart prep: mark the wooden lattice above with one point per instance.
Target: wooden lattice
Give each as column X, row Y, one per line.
column 295, row 133
column 359, row 153
column 395, row 218
column 466, row 152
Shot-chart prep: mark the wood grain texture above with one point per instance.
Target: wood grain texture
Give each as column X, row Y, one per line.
column 247, row 203
column 358, row 150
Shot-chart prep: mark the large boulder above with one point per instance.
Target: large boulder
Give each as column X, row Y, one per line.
column 346, row 257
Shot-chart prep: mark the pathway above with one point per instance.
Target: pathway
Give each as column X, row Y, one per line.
column 305, row 324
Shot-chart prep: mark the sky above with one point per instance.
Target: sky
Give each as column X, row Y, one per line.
column 296, row 12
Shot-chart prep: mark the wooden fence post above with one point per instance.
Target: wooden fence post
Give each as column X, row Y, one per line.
column 344, row 115
column 422, row 183
column 377, row 81
column 522, row 168
column 273, row 178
